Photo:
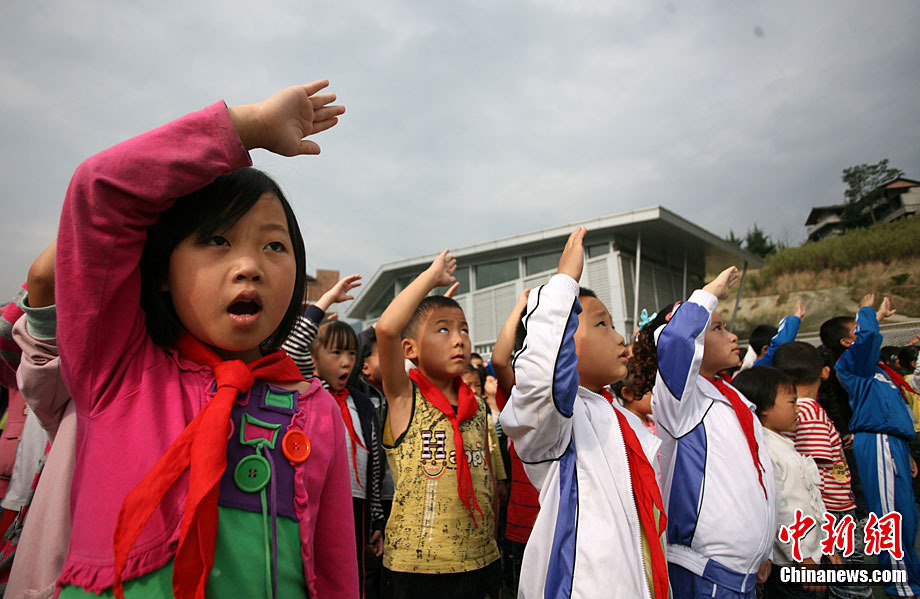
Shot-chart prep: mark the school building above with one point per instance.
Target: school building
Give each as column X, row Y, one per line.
column 643, row 259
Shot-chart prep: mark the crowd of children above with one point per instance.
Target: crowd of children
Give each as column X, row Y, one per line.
column 180, row 423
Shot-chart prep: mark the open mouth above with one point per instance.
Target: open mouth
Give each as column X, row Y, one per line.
column 244, row 308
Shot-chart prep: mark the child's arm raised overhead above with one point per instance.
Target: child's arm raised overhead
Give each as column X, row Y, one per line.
column 787, row 330
column 116, row 195
column 504, row 347
column 297, row 345
column 538, row 417
column 396, row 384
column 680, row 346
column 860, row 359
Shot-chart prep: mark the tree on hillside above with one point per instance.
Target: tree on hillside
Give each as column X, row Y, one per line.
column 755, row 241
column 863, row 183
column 759, row 243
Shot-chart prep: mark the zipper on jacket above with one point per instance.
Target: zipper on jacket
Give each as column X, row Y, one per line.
column 635, row 510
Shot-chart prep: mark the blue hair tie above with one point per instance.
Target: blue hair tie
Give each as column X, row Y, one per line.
column 644, row 318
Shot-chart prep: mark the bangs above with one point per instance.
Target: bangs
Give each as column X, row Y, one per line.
column 335, row 334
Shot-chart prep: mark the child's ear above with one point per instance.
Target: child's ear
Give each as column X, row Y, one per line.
column 825, row 373
column 365, row 369
column 410, row 351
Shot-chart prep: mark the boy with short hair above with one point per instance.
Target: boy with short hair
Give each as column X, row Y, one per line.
column 599, row 532
column 882, row 429
column 436, row 438
column 817, row 438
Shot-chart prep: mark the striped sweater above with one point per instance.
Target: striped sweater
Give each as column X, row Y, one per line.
column 816, row 437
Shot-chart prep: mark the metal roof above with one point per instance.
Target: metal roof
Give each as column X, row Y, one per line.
column 659, row 228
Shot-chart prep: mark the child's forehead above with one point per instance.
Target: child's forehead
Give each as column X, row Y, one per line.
column 445, row 314
column 591, row 306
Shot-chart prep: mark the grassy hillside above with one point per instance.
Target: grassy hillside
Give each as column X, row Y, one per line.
column 833, row 274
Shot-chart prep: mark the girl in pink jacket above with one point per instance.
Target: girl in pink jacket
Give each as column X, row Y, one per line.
column 205, row 464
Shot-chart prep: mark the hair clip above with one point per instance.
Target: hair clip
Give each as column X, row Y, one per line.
column 673, row 310
column 644, row 318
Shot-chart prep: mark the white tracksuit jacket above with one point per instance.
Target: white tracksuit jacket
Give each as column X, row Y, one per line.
column 586, row 541
column 715, row 505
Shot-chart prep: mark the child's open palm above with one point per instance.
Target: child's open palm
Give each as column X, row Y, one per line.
column 338, row 292
column 885, row 310
column 721, row 284
column 572, row 260
column 280, row 123
column 442, row 269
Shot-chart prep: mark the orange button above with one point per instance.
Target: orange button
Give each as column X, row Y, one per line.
column 296, row 446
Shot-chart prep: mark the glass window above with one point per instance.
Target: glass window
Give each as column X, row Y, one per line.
column 403, row 281
column 542, row 262
column 494, row 273
column 463, row 277
column 597, row 249
column 381, row 304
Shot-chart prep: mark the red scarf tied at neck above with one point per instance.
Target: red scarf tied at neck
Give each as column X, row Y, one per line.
column 202, row 448
column 341, row 398
column 746, row 419
column 647, row 496
column 466, row 409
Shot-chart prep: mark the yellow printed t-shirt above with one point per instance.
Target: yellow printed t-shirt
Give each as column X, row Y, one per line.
column 430, row 531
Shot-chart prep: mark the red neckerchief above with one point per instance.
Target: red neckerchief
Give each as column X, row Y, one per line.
column 466, row 409
column 341, row 398
column 647, row 496
column 200, row 448
column 897, row 379
column 607, row 395
column 746, row 419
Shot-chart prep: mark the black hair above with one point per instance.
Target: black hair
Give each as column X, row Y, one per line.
column 628, row 382
column 761, row 337
column 889, row 354
column 907, row 356
column 335, row 334
column 585, row 292
column 520, row 333
column 644, row 364
column 426, row 307
column 801, row 361
column 211, row 210
column 367, row 340
column 474, row 355
column 833, row 331
column 761, row 384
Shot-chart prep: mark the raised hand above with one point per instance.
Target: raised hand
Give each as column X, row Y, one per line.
column 573, row 256
column 720, row 286
column 280, row 123
column 799, row 309
column 867, row 301
column 885, row 310
column 339, row 292
column 442, row 270
column 522, row 300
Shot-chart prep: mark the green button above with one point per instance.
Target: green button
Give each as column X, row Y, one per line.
column 252, row 473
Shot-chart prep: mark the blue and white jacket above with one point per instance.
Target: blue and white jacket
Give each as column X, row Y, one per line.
column 877, row 404
column 587, row 540
column 720, row 525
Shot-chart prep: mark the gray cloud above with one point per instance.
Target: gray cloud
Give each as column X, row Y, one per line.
column 469, row 121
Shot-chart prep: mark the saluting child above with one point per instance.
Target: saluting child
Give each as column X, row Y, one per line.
column 440, row 537
column 599, row 532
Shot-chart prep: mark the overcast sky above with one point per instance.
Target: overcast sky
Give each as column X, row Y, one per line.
column 470, row 121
